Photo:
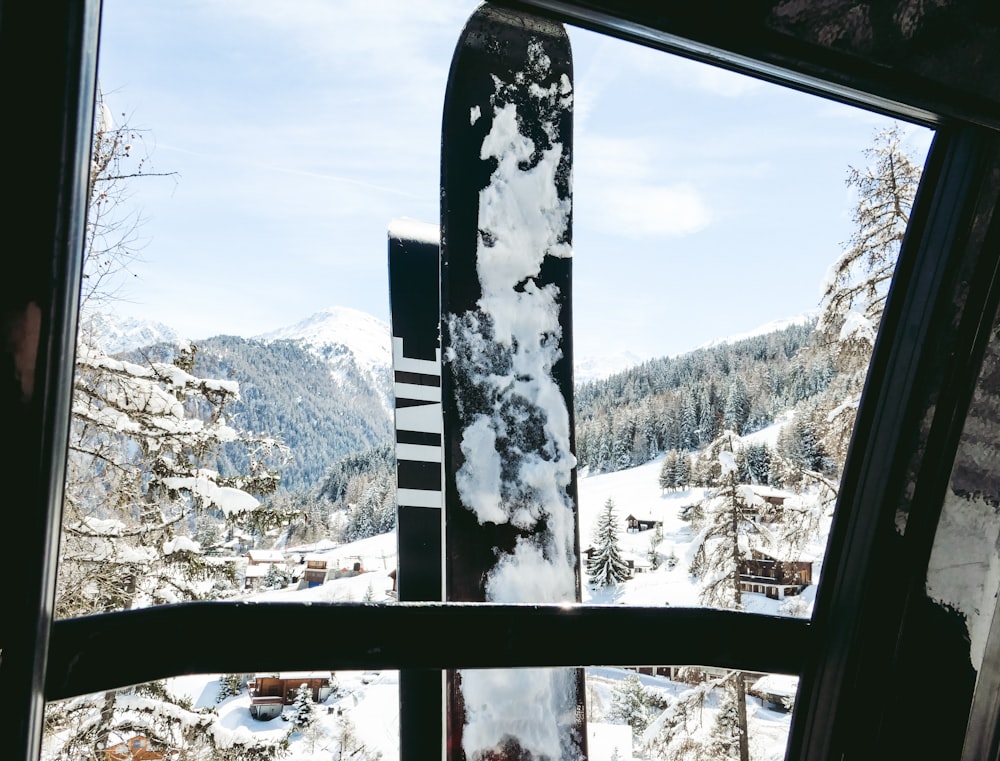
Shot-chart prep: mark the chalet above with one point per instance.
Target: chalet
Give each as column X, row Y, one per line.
column 316, row 570
column 763, row 574
column 253, row 575
column 265, row 557
column 776, row 691
column 137, row 748
column 640, row 524
column 770, row 495
column 270, row 693
column 769, row 502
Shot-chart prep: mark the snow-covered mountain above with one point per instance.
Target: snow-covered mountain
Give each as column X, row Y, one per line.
column 598, row 368
column 346, row 338
column 120, row 334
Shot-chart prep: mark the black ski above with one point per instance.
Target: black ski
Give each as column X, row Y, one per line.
column 510, row 478
column 414, row 285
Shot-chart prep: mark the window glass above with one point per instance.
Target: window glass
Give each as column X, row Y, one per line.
column 232, row 430
column 264, row 715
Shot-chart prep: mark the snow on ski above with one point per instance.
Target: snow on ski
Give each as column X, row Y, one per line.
column 510, row 479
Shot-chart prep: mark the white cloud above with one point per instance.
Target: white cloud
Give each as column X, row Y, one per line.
column 615, row 191
column 637, row 210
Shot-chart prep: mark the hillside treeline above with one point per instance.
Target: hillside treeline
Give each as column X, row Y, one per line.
column 682, row 403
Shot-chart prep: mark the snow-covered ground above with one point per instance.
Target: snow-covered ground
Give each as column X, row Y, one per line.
column 369, row 702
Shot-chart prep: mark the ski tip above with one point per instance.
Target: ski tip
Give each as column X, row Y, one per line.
column 487, row 14
column 408, row 229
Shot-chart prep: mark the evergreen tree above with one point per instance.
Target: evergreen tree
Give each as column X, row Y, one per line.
column 682, row 475
column 304, row 709
column 856, row 286
column 630, row 704
column 727, row 523
column 606, row 566
column 737, row 410
column 655, row 540
column 668, row 471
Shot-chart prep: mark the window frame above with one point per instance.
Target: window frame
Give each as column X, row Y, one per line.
column 930, row 346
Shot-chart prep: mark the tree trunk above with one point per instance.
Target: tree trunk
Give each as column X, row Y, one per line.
column 741, row 713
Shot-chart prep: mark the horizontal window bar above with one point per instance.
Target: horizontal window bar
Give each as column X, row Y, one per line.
column 102, row 652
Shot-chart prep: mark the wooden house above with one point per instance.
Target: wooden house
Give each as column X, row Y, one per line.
column 137, row 748
column 316, row 570
column 270, row 693
column 763, row 574
column 265, row 557
column 635, row 524
column 776, row 691
column 253, row 575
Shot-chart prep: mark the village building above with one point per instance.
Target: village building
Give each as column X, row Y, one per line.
column 778, row 579
column 270, row 693
column 265, row 557
column 634, row 524
column 776, row 691
column 769, row 503
column 136, row 748
column 317, row 568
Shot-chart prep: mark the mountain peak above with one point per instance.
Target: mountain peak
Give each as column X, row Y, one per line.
column 343, row 336
column 365, row 335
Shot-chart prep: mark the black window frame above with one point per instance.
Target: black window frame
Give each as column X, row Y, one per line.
column 927, row 357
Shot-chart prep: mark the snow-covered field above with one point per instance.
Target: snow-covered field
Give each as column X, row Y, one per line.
column 367, row 704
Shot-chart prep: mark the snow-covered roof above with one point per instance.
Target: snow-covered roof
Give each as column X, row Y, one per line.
column 255, row 571
column 770, row 491
column 265, row 556
column 304, row 675
column 776, row 684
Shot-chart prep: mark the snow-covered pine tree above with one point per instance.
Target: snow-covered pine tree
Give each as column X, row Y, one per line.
column 606, row 566
column 230, row 684
column 655, row 540
column 724, row 541
column 303, row 708
column 724, row 530
column 140, row 473
column 630, row 704
column 668, row 471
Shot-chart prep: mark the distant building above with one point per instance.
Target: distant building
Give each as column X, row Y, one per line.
column 270, row 693
column 778, row 579
column 136, row 748
column 639, row 524
column 265, row 557
column 316, row 570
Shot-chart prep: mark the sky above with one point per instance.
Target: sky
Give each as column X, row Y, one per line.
column 706, row 203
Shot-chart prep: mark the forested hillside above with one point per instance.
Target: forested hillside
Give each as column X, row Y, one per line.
column 682, row 403
column 289, row 393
